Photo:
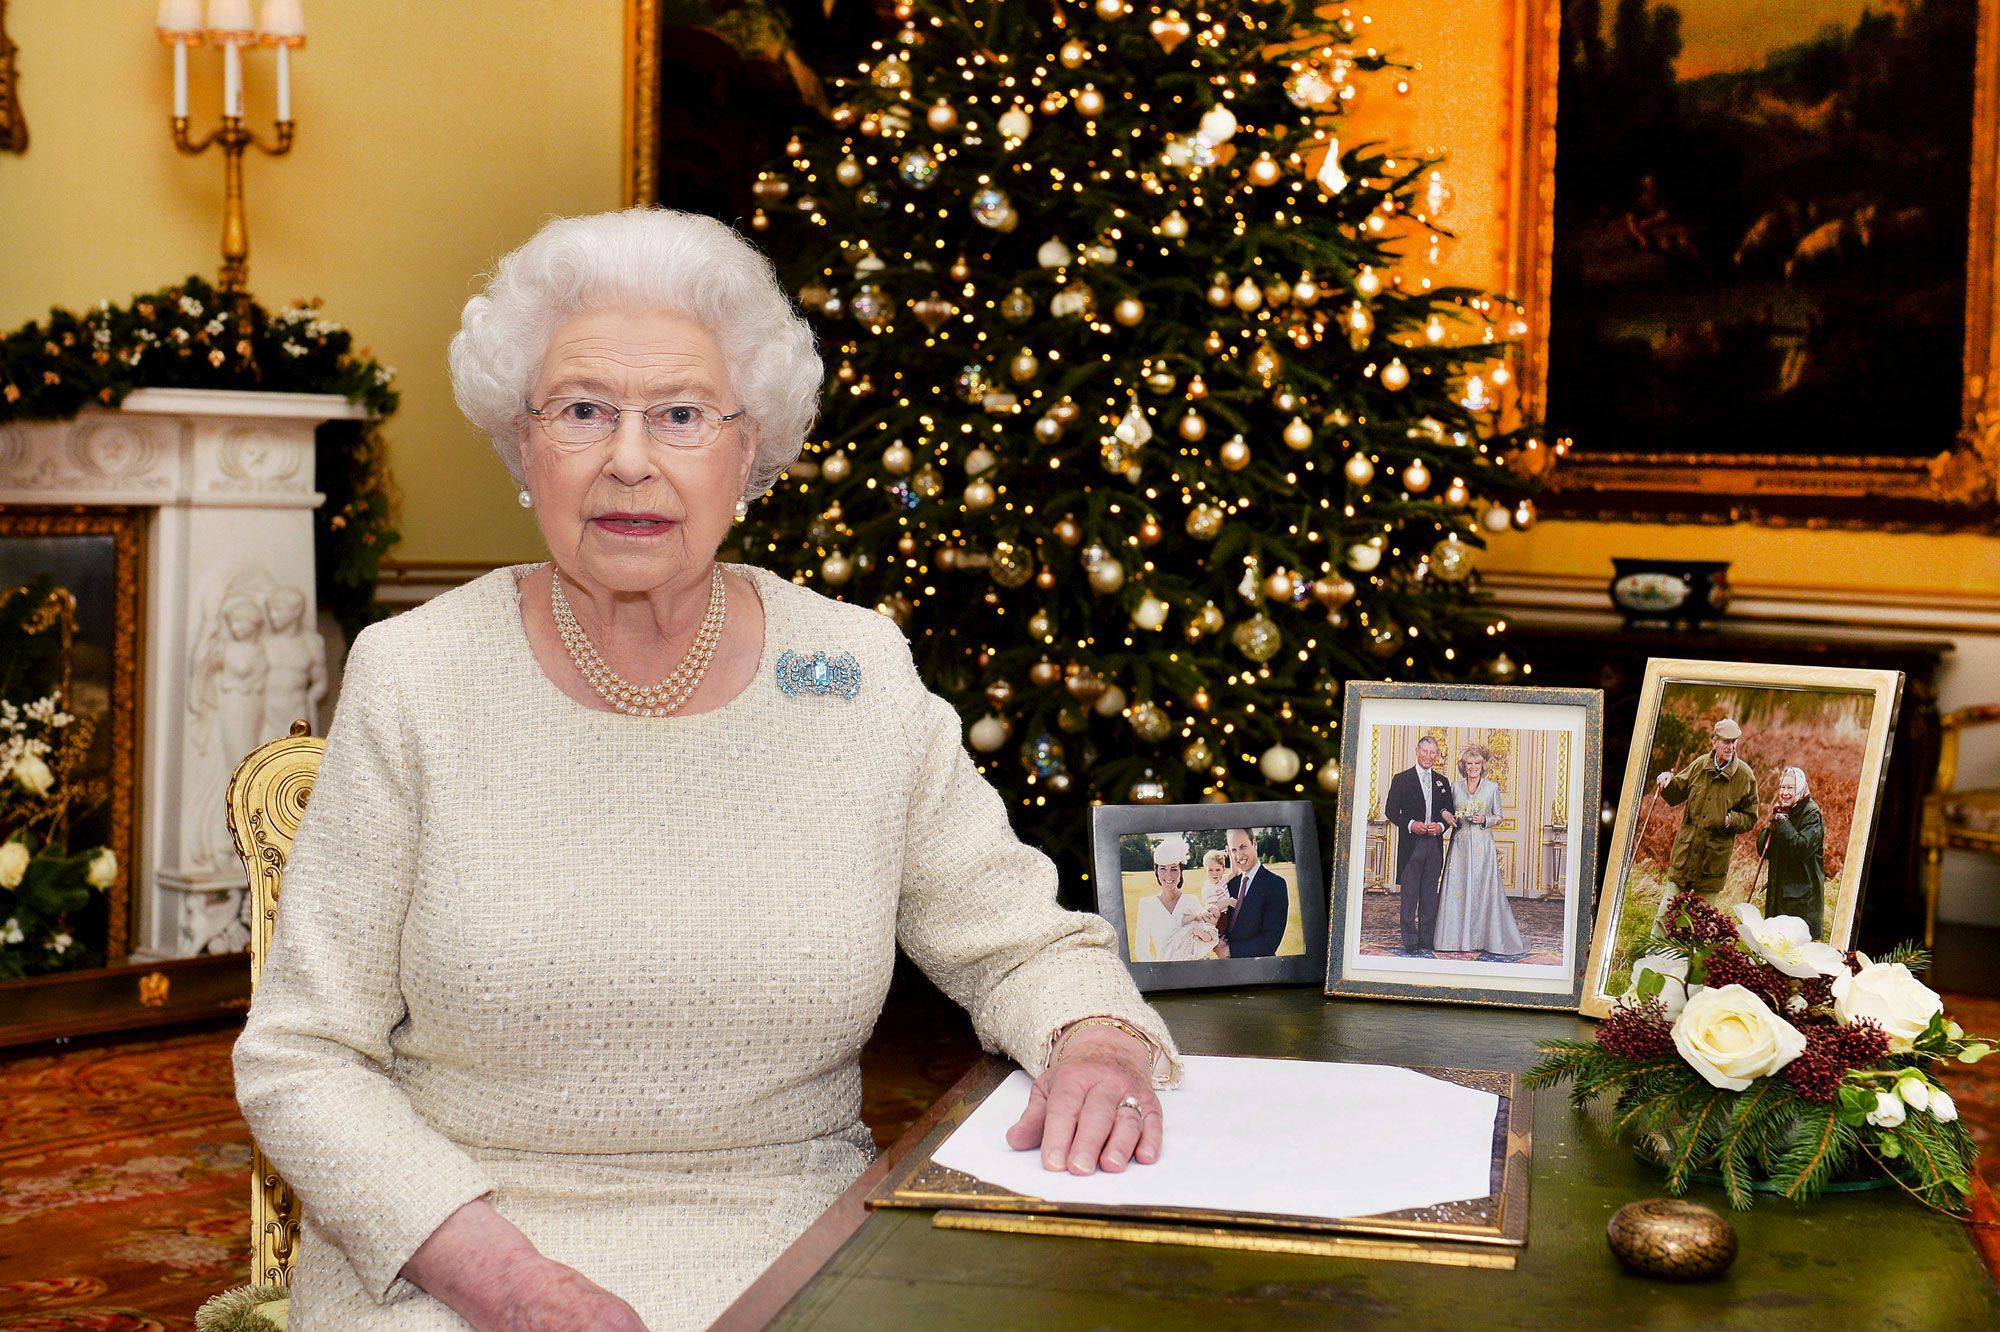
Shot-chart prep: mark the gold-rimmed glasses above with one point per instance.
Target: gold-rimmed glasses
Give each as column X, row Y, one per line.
column 581, row 423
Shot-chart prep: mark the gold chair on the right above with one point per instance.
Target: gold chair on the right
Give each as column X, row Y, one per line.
column 1966, row 820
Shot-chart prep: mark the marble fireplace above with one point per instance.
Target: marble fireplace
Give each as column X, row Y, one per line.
column 228, row 631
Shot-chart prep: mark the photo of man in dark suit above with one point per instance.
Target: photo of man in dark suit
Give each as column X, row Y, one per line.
column 1255, row 925
column 1419, row 806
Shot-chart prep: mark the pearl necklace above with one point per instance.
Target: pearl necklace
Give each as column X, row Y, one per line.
column 659, row 700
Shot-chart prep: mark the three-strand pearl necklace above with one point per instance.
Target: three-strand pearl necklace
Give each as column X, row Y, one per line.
column 659, row 700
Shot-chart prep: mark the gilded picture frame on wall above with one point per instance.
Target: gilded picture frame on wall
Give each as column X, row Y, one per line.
column 13, row 123
column 1759, row 281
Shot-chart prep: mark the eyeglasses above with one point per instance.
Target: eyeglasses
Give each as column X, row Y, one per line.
column 582, row 423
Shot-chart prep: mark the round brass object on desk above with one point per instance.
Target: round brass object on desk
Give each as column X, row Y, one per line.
column 1672, row 1239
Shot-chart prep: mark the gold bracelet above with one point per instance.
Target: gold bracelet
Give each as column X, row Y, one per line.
column 1152, row 1051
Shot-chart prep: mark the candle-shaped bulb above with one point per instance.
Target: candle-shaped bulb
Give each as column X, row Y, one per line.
column 179, row 20
column 229, row 20
column 282, row 23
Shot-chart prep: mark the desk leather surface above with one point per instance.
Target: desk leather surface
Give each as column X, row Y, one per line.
column 1868, row 1260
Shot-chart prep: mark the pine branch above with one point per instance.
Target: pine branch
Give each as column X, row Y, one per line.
column 1696, row 1144
column 1822, row 1147
column 1752, row 1122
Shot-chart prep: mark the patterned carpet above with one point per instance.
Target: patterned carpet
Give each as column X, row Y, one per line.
column 124, row 1172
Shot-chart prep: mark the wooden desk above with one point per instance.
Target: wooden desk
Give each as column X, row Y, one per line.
column 1839, row 1263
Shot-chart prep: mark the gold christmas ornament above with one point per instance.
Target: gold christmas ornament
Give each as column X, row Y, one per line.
column 1149, row 531
column 1197, row 388
column 1014, row 124
column 1045, row 578
column 942, row 116
column 848, row 172
column 959, row 270
column 1089, row 102
column 1210, row 618
column 1248, row 296
column 1109, row 703
column 1044, row 673
column 1265, row 363
column 1305, row 291
column 980, row 459
column 1416, row 477
column 1257, row 638
column 1198, row 756
column 1298, row 435
column 999, row 694
column 1285, row 400
column 1200, row 700
column 1234, row 454
column 1066, row 413
column 1173, row 226
column 1456, row 493
column 1264, row 171
column 1024, row 367
column 1160, row 381
column 1277, row 293
column 1068, row 531
column 1333, row 592
column 980, row 494
column 1106, row 576
column 1279, row 764
column 1169, row 30
column 1502, row 668
column 836, row 569
column 1218, row 295
column 1451, row 560
column 1041, row 627
column 1384, row 639
column 897, row 459
column 1204, row 522
column 928, row 482
column 1496, row 518
column 1359, row 469
column 837, row 467
column 1150, row 722
column 1134, row 430
column 1278, row 585
column 1368, row 282
column 1010, row 565
column 1150, row 613
column 1192, row 426
column 1329, row 778
column 1395, row 375
column 1073, row 53
column 932, row 311
column 1128, row 311
column 1017, row 305
column 1212, row 344
column 1524, row 514
column 1147, row 791
column 1085, row 684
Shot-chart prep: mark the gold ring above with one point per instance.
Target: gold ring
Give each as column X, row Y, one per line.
column 1132, row 1103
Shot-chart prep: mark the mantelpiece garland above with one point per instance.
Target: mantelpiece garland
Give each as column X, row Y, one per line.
column 194, row 337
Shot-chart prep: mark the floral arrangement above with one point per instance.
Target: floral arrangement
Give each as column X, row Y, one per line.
column 45, row 888
column 1746, row 1049
column 193, row 336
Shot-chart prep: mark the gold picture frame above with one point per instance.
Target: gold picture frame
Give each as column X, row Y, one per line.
column 125, row 529
column 1952, row 488
column 1698, row 693
column 13, row 124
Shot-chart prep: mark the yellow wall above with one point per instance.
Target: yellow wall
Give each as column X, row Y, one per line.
column 1458, row 104
column 432, row 138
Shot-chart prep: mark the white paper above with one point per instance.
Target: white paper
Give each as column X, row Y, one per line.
column 1278, row 1136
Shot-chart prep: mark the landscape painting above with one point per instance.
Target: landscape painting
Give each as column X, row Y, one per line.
column 1761, row 226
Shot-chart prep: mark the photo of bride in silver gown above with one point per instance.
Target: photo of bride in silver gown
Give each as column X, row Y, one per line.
column 1474, row 915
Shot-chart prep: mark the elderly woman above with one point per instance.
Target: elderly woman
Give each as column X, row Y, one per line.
column 518, row 1076
column 1795, row 843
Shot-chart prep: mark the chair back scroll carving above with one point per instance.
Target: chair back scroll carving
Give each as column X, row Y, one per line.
column 267, row 796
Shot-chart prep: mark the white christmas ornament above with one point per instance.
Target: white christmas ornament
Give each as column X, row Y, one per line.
column 1053, row 254
column 1331, row 178
column 1134, row 430
column 1280, row 763
column 987, row 734
column 1363, row 557
column 1218, row 124
column 1151, row 612
column 1014, row 123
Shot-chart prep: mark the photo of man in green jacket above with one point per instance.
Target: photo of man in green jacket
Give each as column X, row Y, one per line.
column 1719, row 793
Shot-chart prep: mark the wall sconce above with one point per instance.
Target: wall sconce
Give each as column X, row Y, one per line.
column 227, row 24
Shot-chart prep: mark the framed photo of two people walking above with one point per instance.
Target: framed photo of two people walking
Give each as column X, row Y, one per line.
column 1466, row 848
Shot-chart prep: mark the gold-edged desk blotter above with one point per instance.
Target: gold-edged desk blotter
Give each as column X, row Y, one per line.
column 1473, row 1232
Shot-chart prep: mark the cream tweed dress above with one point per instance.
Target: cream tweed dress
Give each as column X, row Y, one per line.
column 613, row 972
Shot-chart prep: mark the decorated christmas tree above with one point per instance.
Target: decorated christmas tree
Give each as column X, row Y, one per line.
column 1146, row 420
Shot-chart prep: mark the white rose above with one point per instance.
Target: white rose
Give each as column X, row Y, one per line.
column 1731, row 1037
column 1888, row 1111
column 1672, row 970
column 33, row 775
column 1786, row 942
column 14, row 860
column 1889, row 994
column 103, row 871
column 1916, row 1093
column 1943, row 1106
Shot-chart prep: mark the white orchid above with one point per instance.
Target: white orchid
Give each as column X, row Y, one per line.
column 1786, row 943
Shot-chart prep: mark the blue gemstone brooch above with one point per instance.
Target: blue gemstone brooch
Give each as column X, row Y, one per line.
column 819, row 674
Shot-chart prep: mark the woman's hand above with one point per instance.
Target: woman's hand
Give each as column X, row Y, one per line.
column 488, row 1272
column 1074, row 1111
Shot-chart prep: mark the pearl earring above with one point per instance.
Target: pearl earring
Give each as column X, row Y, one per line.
column 742, row 508
column 527, row 500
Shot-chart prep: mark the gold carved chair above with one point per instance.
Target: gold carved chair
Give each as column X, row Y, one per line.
column 1966, row 820
column 267, row 794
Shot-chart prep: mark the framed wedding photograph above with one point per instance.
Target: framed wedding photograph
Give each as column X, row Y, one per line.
column 1466, row 843
column 1210, row 896
column 1746, row 783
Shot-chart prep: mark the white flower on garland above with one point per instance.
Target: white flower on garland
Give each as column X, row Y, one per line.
column 11, row 932
column 103, row 870
column 1942, row 1105
column 1786, row 942
column 1732, row 1038
column 1886, row 993
column 1888, row 1111
column 14, row 858
column 1672, row 990
column 60, row 944
column 34, row 775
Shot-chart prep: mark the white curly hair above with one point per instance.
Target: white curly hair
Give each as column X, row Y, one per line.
column 644, row 259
